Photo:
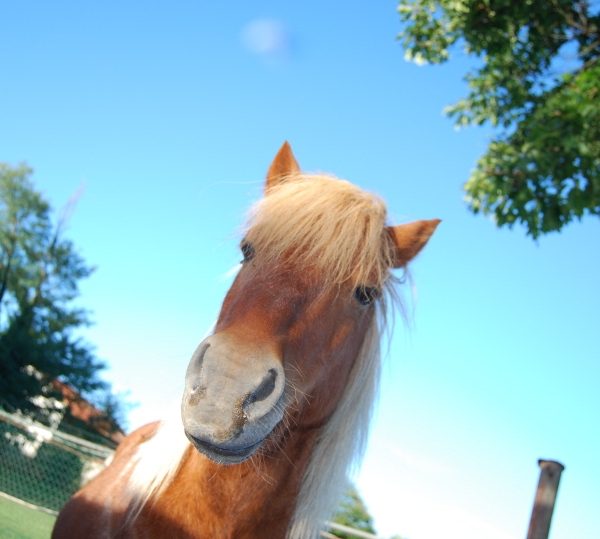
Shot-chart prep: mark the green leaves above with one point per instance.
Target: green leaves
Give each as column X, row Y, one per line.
column 430, row 31
column 545, row 173
column 542, row 168
column 39, row 275
column 353, row 513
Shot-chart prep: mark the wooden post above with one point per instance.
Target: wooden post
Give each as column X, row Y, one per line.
column 545, row 497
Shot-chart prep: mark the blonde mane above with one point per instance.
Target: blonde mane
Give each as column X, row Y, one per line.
column 341, row 446
column 326, row 222
column 340, row 229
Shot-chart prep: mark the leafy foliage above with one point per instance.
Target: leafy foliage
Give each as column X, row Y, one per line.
column 39, row 275
column 352, row 512
column 539, row 84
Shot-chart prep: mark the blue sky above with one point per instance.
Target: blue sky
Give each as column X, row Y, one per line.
column 169, row 114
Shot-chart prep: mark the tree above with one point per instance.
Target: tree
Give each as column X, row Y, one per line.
column 39, row 275
column 352, row 512
column 538, row 83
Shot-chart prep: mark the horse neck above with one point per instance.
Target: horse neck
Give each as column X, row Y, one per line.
column 251, row 500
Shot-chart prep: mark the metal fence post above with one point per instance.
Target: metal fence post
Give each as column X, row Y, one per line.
column 545, row 497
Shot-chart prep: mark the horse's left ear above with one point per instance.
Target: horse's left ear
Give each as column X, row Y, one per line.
column 409, row 239
column 283, row 165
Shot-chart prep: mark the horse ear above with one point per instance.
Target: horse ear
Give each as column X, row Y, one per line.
column 283, row 165
column 409, row 239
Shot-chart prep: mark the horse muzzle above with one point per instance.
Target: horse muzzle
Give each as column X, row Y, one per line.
column 234, row 397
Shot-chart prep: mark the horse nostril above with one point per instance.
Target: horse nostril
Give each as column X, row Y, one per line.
column 198, row 357
column 264, row 389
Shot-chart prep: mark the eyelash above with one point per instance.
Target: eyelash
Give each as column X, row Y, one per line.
column 247, row 251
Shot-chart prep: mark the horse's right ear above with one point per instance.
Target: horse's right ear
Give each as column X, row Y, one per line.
column 283, row 165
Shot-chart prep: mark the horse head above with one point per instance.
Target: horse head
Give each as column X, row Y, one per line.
column 317, row 256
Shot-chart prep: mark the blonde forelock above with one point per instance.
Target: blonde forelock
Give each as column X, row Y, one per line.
column 327, row 223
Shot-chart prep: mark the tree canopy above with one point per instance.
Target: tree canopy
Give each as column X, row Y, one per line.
column 39, row 275
column 353, row 513
column 538, row 83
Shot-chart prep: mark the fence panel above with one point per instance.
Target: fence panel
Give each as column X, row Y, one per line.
column 43, row 466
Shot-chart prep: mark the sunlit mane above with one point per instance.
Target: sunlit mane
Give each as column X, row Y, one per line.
column 341, row 444
column 328, row 222
column 341, row 230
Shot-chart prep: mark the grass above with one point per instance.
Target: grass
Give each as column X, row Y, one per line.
column 20, row 522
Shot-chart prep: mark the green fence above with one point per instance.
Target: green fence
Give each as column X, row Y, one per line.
column 43, row 466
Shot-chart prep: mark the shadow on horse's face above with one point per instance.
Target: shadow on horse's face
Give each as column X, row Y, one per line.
column 283, row 345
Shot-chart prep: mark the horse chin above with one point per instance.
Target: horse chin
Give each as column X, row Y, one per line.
column 222, row 455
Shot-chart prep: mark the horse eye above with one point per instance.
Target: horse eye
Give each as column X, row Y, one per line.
column 366, row 294
column 247, row 251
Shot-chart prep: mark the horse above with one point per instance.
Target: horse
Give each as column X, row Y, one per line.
column 278, row 398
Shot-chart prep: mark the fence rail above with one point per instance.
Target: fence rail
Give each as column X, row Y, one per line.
column 347, row 529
